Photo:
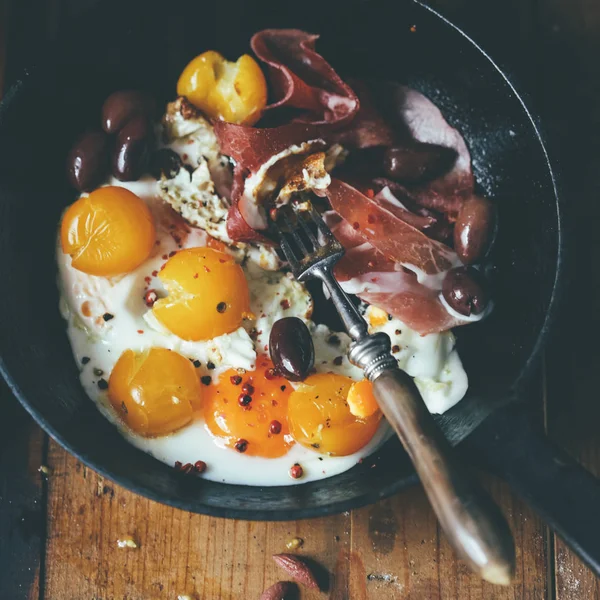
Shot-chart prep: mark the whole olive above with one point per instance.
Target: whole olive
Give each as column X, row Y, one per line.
column 417, row 162
column 122, row 106
column 132, row 149
column 464, row 289
column 165, row 162
column 291, row 348
column 87, row 162
column 473, row 229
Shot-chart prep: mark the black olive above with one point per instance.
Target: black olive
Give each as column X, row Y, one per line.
column 417, row 162
column 291, row 348
column 132, row 150
column 464, row 289
column 87, row 163
column 120, row 107
column 473, row 229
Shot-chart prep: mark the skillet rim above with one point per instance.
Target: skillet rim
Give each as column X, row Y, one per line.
column 361, row 500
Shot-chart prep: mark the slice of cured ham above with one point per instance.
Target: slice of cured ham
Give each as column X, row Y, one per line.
column 366, row 272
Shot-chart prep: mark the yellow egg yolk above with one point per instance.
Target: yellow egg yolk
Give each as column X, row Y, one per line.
column 249, row 411
column 155, row 392
column 235, row 92
column 319, row 416
column 110, row 232
column 207, row 294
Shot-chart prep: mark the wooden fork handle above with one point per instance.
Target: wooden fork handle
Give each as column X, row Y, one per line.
column 472, row 522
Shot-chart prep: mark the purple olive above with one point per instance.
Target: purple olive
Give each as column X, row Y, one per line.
column 417, row 162
column 87, row 163
column 120, row 107
column 165, row 162
column 132, row 150
column 291, row 348
column 464, row 289
column 474, row 229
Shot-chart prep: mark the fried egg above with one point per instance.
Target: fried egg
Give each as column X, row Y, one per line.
column 170, row 328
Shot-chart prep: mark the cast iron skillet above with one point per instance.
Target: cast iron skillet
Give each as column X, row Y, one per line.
column 146, row 47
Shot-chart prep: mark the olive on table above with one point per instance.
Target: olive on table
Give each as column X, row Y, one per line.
column 473, row 229
column 464, row 289
column 165, row 162
column 417, row 162
column 87, row 162
column 120, row 107
column 291, row 348
column 132, row 150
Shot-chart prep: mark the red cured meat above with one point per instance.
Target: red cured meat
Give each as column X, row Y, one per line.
column 302, row 78
column 396, row 239
column 385, row 284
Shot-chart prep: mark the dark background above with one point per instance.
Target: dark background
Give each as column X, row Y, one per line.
column 551, row 49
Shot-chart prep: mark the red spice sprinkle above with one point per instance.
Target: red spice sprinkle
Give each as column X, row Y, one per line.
column 371, row 219
column 248, row 388
column 270, row 374
column 241, row 445
column 172, row 253
column 275, row 427
column 164, row 257
column 274, row 403
column 222, row 260
column 140, row 331
column 154, row 273
column 236, row 380
column 184, row 156
column 199, row 466
column 285, row 304
column 356, row 225
column 147, row 279
column 150, row 298
column 206, row 269
column 370, row 193
column 296, row 471
column 178, row 465
column 195, row 275
column 395, row 349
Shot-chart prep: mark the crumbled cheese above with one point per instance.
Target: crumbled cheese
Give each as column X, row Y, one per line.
column 126, row 542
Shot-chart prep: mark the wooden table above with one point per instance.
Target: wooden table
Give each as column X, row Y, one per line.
column 58, row 535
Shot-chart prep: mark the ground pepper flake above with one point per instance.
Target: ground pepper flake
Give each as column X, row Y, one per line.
column 206, row 379
column 338, row 360
column 103, row 384
column 221, row 307
column 197, row 363
column 395, row 349
column 108, row 316
column 241, row 445
column 85, row 360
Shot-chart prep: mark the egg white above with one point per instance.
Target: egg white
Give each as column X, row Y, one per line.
column 85, row 299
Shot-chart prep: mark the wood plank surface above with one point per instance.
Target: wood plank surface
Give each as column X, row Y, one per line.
column 68, row 531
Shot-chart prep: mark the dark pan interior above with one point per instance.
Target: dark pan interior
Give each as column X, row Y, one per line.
column 147, row 48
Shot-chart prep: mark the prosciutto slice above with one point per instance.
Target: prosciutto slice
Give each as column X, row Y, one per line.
column 366, row 272
column 396, row 239
column 302, row 78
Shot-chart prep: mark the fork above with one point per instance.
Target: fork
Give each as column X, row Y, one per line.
column 472, row 522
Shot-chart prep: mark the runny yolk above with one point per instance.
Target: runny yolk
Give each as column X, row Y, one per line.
column 110, row 232
column 207, row 294
column 319, row 416
column 260, row 422
column 155, row 391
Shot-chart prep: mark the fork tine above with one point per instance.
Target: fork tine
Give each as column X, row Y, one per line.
column 294, row 233
column 286, row 248
column 309, row 234
column 316, row 217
